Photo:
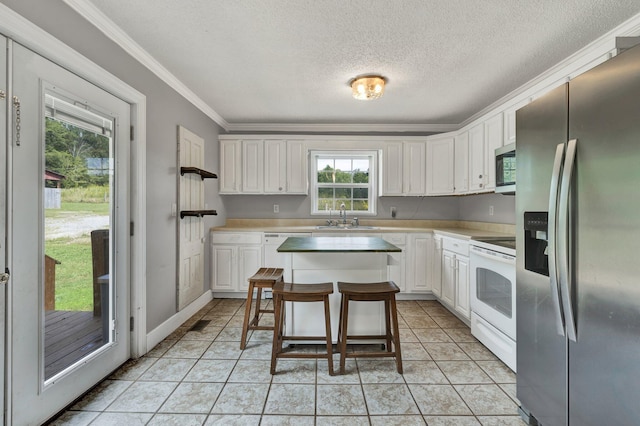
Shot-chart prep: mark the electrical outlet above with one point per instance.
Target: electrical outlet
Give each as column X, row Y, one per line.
column 393, row 212
column 490, row 210
column 276, row 208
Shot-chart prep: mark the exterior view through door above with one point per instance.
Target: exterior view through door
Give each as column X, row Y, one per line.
column 69, row 221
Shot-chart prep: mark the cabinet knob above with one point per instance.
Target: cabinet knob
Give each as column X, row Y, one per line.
column 481, row 185
column 479, row 176
column 280, row 189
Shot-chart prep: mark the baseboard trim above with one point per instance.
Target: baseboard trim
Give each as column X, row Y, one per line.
column 159, row 333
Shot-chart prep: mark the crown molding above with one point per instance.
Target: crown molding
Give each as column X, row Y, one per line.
column 341, row 128
column 98, row 19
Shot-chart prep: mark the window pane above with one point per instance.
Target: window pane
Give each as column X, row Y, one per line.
column 361, row 164
column 360, row 205
column 324, row 163
column 325, row 176
column 361, row 193
column 325, row 192
column 361, row 176
column 326, row 204
column 343, row 193
column 343, row 164
column 343, row 177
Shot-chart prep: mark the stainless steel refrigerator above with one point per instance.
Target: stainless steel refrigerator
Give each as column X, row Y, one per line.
column 578, row 245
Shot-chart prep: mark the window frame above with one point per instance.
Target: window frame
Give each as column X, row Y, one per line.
column 372, row 186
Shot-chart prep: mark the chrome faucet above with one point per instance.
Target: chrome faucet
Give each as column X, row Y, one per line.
column 343, row 213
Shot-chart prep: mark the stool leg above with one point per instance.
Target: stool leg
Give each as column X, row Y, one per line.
column 387, row 315
column 345, row 332
column 396, row 333
column 276, row 347
column 257, row 314
column 247, row 313
column 327, row 322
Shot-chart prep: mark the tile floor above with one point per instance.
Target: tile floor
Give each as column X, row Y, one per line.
column 203, row 378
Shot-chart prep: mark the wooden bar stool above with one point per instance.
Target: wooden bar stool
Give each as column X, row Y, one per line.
column 264, row 278
column 287, row 292
column 370, row 292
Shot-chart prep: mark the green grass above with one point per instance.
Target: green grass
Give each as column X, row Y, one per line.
column 68, row 209
column 74, row 276
column 87, row 194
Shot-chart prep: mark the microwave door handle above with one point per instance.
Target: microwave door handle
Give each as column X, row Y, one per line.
column 551, row 235
column 563, row 239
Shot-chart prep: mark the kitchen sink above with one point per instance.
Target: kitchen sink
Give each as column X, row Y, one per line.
column 346, row 227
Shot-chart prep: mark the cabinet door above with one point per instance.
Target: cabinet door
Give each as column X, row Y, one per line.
column 493, row 139
column 418, row 268
column 415, row 168
column 252, row 166
column 249, row 261
column 476, row 158
column 448, row 278
column 440, row 153
column 462, row 305
column 396, row 267
column 224, row 266
column 461, row 163
column 436, row 265
column 230, row 166
column 275, row 170
column 510, row 122
column 297, row 175
column 391, row 174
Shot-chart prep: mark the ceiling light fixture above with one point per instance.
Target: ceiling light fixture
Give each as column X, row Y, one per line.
column 368, row 87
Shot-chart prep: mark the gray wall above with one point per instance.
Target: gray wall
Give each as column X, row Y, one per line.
column 469, row 207
column 166, row 109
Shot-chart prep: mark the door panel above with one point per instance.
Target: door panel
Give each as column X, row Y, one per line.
column 68, row 124
column 603, row 111
column 4, row 102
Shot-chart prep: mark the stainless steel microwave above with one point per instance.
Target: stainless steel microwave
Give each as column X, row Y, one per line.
column 506, row 169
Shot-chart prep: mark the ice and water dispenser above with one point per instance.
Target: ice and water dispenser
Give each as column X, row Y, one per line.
column 535, row 242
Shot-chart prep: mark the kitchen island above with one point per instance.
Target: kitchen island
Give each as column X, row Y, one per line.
column 333, row 259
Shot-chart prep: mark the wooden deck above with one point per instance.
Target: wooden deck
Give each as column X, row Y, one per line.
column 69, row 336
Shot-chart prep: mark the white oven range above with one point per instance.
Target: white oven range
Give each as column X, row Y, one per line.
column 493, row 296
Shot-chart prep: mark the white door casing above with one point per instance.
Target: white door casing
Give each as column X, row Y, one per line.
column 4, row 103
column 32, row 76
column 191, row 229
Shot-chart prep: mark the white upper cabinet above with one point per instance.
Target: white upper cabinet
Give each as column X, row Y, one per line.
column 297, row 168
column 252, row 166
column 403, row 168
column 477, row 176
column 461, row 163
column 510, row 122
column 259, row 166
column 440, row 166
column 493, row 128
column 275, row 171
column 230, row 166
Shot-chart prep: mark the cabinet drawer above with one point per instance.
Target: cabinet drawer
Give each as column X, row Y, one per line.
column 397, row 239
column 236, row 238
column 456, row 246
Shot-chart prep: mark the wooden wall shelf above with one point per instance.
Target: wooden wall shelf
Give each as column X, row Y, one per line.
column 203, row 173
column 197, row 213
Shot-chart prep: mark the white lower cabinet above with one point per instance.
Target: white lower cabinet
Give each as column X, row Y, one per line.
column 436, row 267
column 397, row 261
column 419, row 256
column 235, row 257
column 455, row 276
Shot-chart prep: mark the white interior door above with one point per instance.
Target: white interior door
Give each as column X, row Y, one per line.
column 191, row 249
column 3, row 205
column 69, row 258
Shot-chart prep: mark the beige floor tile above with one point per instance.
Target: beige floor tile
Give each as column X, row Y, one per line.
column 229, row 334
column 143, row 397
column 102, row 395
column 452, row 421
column 422, row 321
column 342, row 421
column 177, row 420
column 192, row 398
column 133, row 369
column 501, row 421
column 340, row 400
column 269, row 420
column 423, row 372
column 241, row 398
column 291, row 399
column 414, row 351
column 511, row 390
column 407, row 336
column 460, row 335
column 445, row 351
column 232, row 419
column 159, row 349
column 410, row 420
column 187, row 349
column 223, row 350
column 461, row 372
column 209, row 370
column 168, row 370
column 449, row 322
column 251, row 371
column 477, row 351
column 488, row 400
column 387, row 399
column 438, row 310
column 217, row 320
column 432, row 335
column 373, row 370
column 349, row 377
column 499, row 372
column 438, row 400
column 257, row 350
column 75, row 418
column 118, row 419
column 296, row 371
column 208, row 333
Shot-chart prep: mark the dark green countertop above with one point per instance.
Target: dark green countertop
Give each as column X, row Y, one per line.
column 337, row 244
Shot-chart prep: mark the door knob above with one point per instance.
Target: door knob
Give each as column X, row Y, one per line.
column 4, row 278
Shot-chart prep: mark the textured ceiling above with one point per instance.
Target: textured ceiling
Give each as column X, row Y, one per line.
column 277, row 61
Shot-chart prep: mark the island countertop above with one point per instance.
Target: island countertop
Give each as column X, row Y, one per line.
column 337, row 245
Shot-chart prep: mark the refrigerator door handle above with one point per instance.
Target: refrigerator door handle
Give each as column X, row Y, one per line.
column 563, row 238
column 551, row 235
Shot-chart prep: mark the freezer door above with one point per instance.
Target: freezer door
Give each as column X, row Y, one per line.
column 542, row 352
column 604, row 363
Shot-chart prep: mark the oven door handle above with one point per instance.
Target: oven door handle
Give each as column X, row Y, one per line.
column 485, row 255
